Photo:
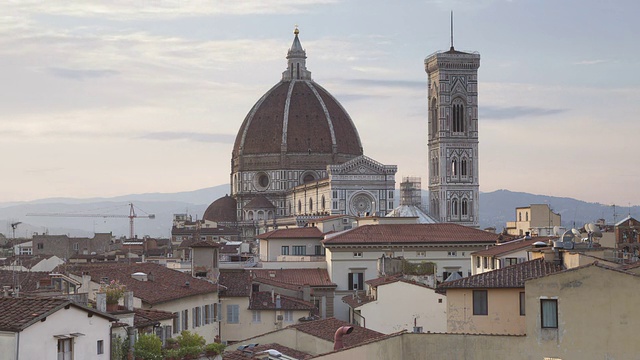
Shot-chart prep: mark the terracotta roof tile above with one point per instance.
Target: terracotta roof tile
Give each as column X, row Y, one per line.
column 167, row 284
column 411, row 234
column 293, row 278
column 204, row 244
column 28, row 280
column 262, row 300
column 147, row 317
column 297, row 233
column 509, row 247
column 235, row 283
column 355, row 301
column 251, row 353
column 20, row 313
column 513, row 276
column 326, row 329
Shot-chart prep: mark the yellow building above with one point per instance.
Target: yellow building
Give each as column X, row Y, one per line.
column 535, row 219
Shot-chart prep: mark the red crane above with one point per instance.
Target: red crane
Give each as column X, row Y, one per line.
column 132, row 215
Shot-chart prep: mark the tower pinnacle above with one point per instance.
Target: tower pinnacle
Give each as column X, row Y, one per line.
column 296, row 64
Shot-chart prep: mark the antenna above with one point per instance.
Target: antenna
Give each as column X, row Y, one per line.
column 451, row 29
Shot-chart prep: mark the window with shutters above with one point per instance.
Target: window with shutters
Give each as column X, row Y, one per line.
column 299, row 250
column 233, row 313
column 356, row 281
column 207, row 314
column 288, row 316
column 176, row 323
column 257, row 316
column 185, row 320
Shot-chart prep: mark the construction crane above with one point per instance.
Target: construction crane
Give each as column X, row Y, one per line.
column 132, row 215
column 14, row 226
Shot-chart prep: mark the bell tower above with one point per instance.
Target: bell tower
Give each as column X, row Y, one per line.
column 453, row 136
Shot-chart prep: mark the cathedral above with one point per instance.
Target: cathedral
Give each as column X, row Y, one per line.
column 298, row 157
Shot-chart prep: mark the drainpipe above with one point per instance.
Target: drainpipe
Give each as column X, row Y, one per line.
column 18, row 346
column 337, row 338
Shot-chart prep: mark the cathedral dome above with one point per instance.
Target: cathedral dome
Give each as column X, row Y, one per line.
column 222, row 210
column 295, row 119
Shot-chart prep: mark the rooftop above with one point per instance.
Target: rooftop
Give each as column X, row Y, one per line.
column 235, row 283
column 325, row 329
column 293, row 279
column 294, row 233
column 163, row 284
column 20, row 313
column 509, row 247
column 411, row 234
column 513, row 276
column 251, row 352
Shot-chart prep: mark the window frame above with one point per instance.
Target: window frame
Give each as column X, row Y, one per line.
column 233, row 314
column 523, row 310
column 480, row 307
column 554, row 308
column 355, row 278
column 100, row 347
column 284, row 250
column 299, row 250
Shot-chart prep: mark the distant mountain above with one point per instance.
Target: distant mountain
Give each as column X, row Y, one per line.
column 496, row 208
column 162, row 205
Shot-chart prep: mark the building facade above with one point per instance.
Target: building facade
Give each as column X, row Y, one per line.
column 453, row 136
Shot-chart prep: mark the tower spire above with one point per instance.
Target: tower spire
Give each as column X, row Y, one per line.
column 296, row 61
column 451, row 30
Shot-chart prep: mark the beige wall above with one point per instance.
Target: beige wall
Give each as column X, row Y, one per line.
column 246, row 327
column 597, row 314
column 291, row 338
column 503, row 312
column 399, row 304
column 272, row 248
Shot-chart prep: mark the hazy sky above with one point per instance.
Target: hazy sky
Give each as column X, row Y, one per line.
column 103, row 100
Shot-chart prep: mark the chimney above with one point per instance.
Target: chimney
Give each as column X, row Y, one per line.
column 101, row 302
column 128, row 300
column 337, row 338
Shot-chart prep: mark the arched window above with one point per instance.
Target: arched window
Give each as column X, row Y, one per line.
column 299, row 206
column 526, row 216
column 519, row 216
column 463, row 167
column 289, row 213
column 260, row 215
column 454, row 167
column 308, row 178
column 323, row 203
column 250, row 215
column 465, row 207
column 454, row 207
column 457, row 120
column 310, row 204
column 434, row 118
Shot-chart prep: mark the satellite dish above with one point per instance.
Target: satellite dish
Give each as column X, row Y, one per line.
column 556, row 230
column 594, row 230
column 576, row 233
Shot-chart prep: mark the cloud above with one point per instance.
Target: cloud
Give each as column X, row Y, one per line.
column 590, row 62
column 200, row 137
column 501, row 113
column 80, row 74
column 123, row 10
column 407, row 84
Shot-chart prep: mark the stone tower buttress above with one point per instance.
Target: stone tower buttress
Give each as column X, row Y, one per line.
column 454, row 194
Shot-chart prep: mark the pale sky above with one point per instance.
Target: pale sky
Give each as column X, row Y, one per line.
column 111, row 98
